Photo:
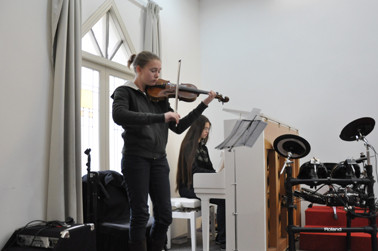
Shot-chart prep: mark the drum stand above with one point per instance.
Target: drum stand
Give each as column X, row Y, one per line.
column 292, row 146
column 371, row 229
column 290, row 204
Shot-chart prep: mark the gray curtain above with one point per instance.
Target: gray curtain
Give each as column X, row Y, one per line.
column 152, row 28
column 64, row 172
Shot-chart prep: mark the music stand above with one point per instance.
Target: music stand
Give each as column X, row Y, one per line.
column 244, row 133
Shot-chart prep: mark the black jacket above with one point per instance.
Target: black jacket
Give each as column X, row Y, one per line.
column 145, row 131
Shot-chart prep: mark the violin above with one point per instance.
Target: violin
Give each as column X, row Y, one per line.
column 187, row 92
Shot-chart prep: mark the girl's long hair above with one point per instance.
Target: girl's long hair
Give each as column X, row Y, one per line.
column 188, row 151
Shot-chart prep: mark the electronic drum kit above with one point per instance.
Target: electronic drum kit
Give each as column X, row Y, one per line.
column 345, row 194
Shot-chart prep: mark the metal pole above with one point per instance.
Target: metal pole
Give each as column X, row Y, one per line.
column 88, row 164
column 348, row 237
column 235, row 213
column 372, row 209
column 290, row 206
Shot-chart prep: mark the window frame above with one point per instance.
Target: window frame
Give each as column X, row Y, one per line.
column 105, row 69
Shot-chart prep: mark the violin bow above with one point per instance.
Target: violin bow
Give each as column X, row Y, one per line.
column 177, row 85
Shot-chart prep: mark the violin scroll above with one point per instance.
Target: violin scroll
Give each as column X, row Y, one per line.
column 222, row 99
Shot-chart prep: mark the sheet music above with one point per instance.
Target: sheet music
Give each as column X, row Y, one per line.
column 253, row 132
column 245, row 131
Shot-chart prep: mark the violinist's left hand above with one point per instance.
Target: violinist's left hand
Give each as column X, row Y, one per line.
column 210, row 98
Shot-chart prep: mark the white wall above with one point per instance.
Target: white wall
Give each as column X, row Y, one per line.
column 24, row 108
column 311, row 64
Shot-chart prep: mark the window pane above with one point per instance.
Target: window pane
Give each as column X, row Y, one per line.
column 90, row 117
column 99, row 30
column 115, row 131
column 114, row 37
column 89, row 44
column 121, row 56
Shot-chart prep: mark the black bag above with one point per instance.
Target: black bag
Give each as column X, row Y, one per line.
column 108, row 207
column 53, row 235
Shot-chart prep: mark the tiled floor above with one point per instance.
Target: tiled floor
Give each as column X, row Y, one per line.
column 187, row 245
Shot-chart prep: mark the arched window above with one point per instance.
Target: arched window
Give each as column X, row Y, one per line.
column 106, row 47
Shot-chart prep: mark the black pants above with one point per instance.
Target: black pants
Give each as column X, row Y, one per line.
column 147, row 176
column 221, row 211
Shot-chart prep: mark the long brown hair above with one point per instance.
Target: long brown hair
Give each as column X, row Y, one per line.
column 188, row 150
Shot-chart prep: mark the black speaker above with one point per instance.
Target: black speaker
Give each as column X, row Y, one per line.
column 53, row 236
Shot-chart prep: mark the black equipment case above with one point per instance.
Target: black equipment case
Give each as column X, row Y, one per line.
column 53, row 236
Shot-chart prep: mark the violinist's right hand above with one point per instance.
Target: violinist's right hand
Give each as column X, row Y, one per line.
column 171, row 116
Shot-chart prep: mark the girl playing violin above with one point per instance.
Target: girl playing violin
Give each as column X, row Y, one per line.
column 144, row 163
